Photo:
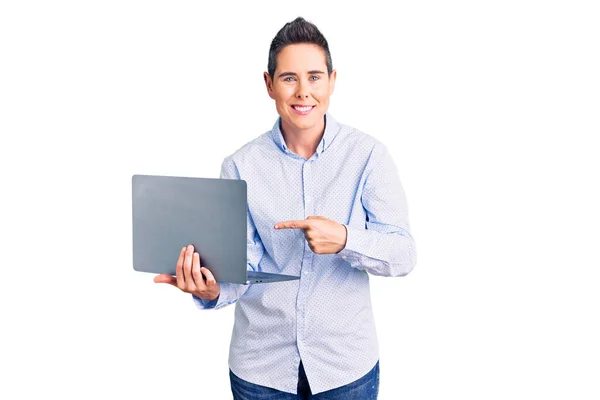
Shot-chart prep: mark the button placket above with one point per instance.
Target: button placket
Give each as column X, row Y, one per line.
column 301, row 301
column 307, row 196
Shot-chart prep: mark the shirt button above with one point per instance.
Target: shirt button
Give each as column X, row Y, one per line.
column 344, row 257
column 305, row 272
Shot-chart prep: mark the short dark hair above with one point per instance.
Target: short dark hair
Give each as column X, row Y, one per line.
column 297, row 31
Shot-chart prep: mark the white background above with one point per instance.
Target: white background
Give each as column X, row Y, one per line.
column 490, row 109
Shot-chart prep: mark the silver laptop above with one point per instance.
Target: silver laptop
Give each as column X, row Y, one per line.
column 171, row 212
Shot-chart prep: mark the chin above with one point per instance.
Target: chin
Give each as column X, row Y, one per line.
column 305, row 122
column 303, row 126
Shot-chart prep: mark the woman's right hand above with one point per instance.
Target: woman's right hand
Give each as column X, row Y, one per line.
column 191, row 277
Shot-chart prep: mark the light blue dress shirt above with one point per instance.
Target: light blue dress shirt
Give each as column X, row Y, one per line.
column 324, row 318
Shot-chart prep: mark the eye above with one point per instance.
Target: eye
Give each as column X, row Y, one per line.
column 289, row 79
column 314, row 78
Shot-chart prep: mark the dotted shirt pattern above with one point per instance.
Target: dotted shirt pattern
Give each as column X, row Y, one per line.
column 325, row 318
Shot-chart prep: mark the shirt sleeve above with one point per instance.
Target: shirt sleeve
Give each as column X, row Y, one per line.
column 384, row 245
column 231, row 292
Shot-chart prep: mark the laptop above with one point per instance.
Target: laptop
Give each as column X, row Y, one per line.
column 170, row 212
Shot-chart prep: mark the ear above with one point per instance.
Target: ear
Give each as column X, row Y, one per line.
column 332, row 81
column 269, row 85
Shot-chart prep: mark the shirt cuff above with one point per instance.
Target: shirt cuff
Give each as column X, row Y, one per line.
column 351, row 252
column 205, row 304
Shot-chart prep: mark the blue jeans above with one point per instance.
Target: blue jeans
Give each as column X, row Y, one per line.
column 365, row 388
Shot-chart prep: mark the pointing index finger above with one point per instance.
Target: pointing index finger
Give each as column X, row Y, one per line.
column 293, row 224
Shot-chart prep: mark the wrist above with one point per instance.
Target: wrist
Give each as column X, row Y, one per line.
column 207, row 296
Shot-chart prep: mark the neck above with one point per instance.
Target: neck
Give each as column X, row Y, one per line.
column 303, row 142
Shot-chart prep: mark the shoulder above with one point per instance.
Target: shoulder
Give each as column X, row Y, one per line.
column 357, row 140
column 256, row 147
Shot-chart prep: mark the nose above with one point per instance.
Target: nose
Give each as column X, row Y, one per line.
column 302, row 91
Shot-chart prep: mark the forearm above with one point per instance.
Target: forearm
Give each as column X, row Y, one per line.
column 380, row 253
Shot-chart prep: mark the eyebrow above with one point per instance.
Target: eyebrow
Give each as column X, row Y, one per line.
column 312, row 72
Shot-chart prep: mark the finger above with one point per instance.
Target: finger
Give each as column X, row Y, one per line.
column 187, row 266
column 179, row 269
column 210, row 278
column 317, row 217
column 293, row 224
column 165, row 278
column 196, row 274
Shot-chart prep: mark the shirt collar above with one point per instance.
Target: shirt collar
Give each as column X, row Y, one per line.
column 332, row 127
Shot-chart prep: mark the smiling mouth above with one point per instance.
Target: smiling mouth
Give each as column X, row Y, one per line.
column 302, row 109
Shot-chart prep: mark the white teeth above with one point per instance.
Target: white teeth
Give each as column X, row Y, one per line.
column 302, row 109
